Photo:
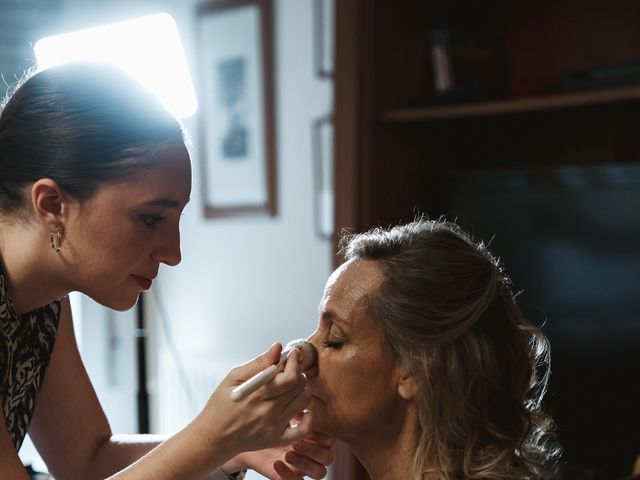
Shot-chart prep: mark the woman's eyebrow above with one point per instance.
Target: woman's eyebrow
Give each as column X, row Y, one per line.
column 333, row 317
column 166, row 202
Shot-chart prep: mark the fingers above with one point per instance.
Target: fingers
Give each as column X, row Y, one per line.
column 285, row 472
column 295, row 410
column 290, row 379
column 322, row 439
column 262, row 417
column 316, row 451
column 288, row 382
column 291, row 373
column 249, row 369
column 303, row 464
column 299, row 430
column 309, row 457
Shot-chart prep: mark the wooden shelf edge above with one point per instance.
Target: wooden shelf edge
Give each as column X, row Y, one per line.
column 502, row 107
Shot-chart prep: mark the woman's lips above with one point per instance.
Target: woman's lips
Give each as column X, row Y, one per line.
column 145, row 283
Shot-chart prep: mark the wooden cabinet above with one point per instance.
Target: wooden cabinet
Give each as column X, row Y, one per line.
column 396, row 141
column 393, row 141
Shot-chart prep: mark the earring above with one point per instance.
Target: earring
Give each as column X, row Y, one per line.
column 55, row 239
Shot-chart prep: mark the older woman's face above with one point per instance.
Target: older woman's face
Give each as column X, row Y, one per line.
column 354, row 388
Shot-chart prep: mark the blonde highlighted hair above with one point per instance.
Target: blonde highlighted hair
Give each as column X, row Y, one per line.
column 449, row 316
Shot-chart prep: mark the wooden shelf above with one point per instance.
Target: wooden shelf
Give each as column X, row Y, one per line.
column 395, row 156
column 502, row 107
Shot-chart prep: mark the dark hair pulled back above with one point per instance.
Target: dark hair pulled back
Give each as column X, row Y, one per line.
column 80, row 124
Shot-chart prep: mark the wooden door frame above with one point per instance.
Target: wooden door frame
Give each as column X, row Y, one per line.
column 352, row 169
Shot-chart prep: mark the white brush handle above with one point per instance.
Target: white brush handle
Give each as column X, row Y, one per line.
column 254, row 383
column 309, row 357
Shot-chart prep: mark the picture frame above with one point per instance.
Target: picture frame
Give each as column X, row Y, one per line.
column 323, row 176
column 323, row 37
column 236, row 126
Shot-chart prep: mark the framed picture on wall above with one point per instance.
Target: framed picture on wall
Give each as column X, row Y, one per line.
column 234, row 41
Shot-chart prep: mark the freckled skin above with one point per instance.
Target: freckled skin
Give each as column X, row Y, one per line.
column 106, row 239
column 355, row 386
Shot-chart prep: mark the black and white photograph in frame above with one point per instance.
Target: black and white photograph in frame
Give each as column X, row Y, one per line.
column 236, row 124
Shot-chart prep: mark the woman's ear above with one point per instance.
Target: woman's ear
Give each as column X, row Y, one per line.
column 408, row 387
column 49, row 202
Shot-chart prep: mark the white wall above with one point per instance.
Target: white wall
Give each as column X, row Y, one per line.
column 254, row 281
column 250, row 282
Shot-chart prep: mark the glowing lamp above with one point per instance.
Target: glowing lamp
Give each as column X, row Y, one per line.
column 148, row 48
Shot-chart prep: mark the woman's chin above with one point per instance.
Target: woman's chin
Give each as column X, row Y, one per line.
column 325, row 424
column 122, row 307
column 119, row 303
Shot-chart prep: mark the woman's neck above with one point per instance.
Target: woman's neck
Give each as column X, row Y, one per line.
column 28, row 268
column 389, row 453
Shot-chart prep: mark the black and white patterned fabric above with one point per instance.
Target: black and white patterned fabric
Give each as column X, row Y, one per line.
column 26, row 344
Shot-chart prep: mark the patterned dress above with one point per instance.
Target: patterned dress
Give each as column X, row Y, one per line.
column 26, row 344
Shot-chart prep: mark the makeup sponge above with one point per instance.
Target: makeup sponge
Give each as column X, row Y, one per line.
column 309, row 353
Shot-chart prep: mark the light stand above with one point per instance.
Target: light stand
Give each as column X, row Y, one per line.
column 142, row 395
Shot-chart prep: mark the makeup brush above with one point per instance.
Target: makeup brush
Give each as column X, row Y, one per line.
column 309, row 357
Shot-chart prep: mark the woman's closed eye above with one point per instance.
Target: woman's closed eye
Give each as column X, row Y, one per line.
column 332, row 343
column 151, row 220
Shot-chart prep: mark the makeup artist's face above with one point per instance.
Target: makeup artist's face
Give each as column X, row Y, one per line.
column 117, row 238
column 354, row 388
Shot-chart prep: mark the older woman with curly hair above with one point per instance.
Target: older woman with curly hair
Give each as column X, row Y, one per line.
column 426, row 367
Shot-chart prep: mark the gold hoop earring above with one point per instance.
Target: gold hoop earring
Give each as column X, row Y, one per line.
column 55, row 239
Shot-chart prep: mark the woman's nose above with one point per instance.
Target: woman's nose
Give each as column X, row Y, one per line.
column 312, row 371
column 173, row 257
column 169, row 251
